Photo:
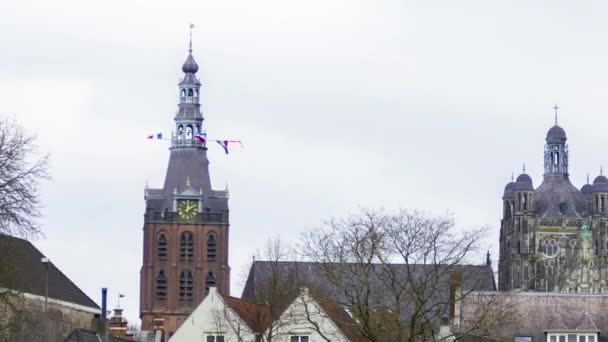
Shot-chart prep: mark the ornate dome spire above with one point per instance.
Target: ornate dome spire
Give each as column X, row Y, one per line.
column 190, row 65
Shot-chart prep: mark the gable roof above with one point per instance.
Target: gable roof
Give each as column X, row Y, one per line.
column 257, row 317
column 340, row 317
column 26, row 273
column 309, row 274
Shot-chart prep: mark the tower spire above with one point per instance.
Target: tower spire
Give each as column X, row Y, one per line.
column 555, row 108
column 191, row 27
column 523, row 169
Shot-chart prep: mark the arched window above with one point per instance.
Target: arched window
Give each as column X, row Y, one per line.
column 209, row 281
column 162, row 246
column 211, row 247
column 183, row 92
column 161, row 285
column 186, row 246
column 549, row 247
column 190, row 92
column 196, row 91
column 185, row 285
column 189, row 132
column 180, row 132
column 602, row 205
column 518, row 246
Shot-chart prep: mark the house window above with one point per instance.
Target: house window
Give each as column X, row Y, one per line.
column 161, row 285
column 186, row 247
column 572, row 337
column 162, row 246
column 214, row 338
column 299, row 339
column 211, row 247
column 185, row 285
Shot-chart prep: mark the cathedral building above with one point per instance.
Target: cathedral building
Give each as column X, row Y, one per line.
column 185, row 222
column 553, row 238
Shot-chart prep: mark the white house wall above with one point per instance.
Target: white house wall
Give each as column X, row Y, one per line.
column 213, row 317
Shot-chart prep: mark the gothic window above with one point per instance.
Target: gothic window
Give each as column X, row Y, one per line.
column 162, row 246
column 572, row 244
column 549, row 247
column 549, row 267
column 161, row 285
column 518, row 246
column 186, row 246
column 209, row 281
column 211, row 247
column 185, row 286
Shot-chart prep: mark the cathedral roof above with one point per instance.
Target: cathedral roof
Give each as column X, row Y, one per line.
column 524, row 182
column 555, row 190
column 509, row 190
column 556, row 134
column 600, row 184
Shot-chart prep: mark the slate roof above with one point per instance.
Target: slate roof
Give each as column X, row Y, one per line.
column 538, row 312
column 192, row 164
column 308, row 274
column 556, row 189
column 27, row 273
column 84, row 335
column 556, row 134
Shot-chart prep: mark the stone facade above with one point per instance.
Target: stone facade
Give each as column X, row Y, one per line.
column 186, row 223
column 554, row 237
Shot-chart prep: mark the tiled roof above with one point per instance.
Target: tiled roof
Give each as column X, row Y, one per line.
column 257, row 317
column 26, row 273
column 341, row 318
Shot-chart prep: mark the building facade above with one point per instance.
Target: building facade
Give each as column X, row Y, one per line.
column 186, row 222
column 553, row 238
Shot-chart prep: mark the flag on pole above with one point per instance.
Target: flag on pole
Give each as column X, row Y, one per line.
column 224, row 144
column 202, row 137
column 155, row 136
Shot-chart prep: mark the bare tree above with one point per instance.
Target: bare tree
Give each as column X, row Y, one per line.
column 398, row 273
column 21, row 170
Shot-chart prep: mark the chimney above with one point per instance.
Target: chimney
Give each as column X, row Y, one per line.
column 104, row 302
column 100, row 323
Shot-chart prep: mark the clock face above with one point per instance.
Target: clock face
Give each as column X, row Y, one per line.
column 187, row 209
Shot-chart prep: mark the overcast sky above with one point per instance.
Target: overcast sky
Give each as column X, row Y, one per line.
column 341, row 104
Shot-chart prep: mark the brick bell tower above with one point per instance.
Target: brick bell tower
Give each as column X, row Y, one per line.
column 185, row 223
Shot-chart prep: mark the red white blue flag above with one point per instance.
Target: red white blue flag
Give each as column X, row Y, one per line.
column 224, row 144
column 155, row 136
column 202, row 137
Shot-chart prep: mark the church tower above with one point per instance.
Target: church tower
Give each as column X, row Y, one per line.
column 554, row 238
column 185, row 222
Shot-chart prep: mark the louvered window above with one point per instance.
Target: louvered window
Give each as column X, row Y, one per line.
column 209, row 281
column 161, row 285
column 211, row 247
column 186, row 247
column 162, row 247
column 185, row 285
